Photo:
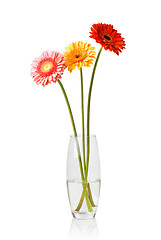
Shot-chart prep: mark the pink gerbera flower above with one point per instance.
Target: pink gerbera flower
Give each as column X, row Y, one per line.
column 48, row 68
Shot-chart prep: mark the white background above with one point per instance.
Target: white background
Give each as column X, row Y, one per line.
column 35, row 125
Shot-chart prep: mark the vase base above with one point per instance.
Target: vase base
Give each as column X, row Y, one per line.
column 83, row 215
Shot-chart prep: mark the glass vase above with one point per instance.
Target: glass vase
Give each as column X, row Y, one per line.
column 83, row 176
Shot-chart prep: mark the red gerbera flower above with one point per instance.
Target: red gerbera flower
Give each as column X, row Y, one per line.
column 108, row 37
column 48, row 68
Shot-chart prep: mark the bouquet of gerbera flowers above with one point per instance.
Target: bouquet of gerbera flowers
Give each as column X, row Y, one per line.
column 50, row 66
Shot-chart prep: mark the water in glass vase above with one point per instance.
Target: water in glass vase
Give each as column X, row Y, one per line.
column 88, row 207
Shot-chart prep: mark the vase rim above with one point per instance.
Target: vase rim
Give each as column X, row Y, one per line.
column 80, row 135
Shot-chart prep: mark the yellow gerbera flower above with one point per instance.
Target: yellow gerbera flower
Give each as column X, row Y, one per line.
column 79, row 54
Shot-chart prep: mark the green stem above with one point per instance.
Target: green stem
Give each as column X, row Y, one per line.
column 88, row 137
column 88, row 199
column 83, row 129
column 82, row 198
column 90, row 209
column 88, row 111
column 78, row 149
column 74, row 128
column 88, row 194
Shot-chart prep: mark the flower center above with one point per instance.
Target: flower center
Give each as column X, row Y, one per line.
column 77, row 56
column 46, row 67
column 107, row 37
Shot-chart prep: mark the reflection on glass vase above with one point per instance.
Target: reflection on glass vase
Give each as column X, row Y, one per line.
column 83, row 176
